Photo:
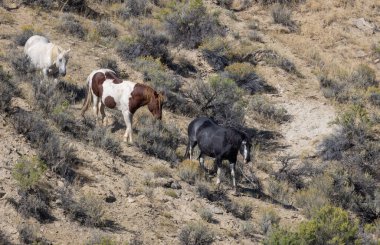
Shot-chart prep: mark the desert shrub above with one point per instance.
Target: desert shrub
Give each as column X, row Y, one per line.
column 109, row 63
column 99, row 137
column 106, row 29
column 362, row 77
column 33, row 203
column 157, row 139
column 161, row 171
column 4, row 239
column 374, row 98
column 60, row 157
column 156, row 75
column 147, row 43
column 282, row 15
column 216, row 53
column 196, row 233
column 189, row 24
column 330, row 225
column 7, row 90
column 246, row 78
column 272, row 58
column 347, row 86
column 101, row 240
column 255, row 36
column 21, row 38
column 279, row 191
column 247, row 229
column 171, row 193
column 206, row 215
column 182, row 67
column 88, row 210
column 44, row 4
column 134, row 8
column 203, row 189
column 28, row 235
column 243, row 211
column 269, row 220
column 21, row 64
column 264, row 108
column 219, row 98
column 188, row 171
column 70, row 25
column 28, row 172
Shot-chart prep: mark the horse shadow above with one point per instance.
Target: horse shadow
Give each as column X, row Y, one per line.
column 267, row 139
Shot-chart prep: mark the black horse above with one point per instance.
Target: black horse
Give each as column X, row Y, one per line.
column 217, row 142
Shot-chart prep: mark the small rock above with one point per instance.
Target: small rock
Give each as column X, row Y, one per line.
column 376, row 61
column 175, row 185
column 131, row 200
column 364, row 25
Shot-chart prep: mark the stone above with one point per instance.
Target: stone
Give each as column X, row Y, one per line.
column 364, row 25
column 175, row 185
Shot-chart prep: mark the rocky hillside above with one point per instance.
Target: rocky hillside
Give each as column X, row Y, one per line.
column 300, row 77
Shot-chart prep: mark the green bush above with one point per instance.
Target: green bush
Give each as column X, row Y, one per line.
column 189, row 24
column 28, row 172
column 330, row 225
column 219, row 98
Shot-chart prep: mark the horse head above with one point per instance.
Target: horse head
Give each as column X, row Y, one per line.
column 245, row 148
column 155, row 104
column 60, row 59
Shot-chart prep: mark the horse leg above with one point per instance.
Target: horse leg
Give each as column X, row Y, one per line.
column 95, row 107
column 128, row 122
column 232, row 167
column 190, row 149
column 103, row 113
column 218, row 163
column 202, row 165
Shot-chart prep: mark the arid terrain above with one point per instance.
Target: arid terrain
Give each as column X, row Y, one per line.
column 311, row 103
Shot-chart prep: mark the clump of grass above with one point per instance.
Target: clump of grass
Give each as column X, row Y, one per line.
column 203, row 189
column 267, row 110
column 196, row 233
column 282, row 15
column 28, row 235
column 247, row 229
column 279, row 191
column 243, row 211
column 101, row 240
column 161, row 171
column 21, row 64
column 188, row 171
column 171, row 193
column 21, row 38
column 216, row 52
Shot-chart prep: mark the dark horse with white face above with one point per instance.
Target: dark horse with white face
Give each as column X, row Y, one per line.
column 217, row 142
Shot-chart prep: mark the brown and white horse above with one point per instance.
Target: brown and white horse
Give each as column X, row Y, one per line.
column 110, row 91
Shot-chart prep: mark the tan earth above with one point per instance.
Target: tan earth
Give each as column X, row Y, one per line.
column 154, row 214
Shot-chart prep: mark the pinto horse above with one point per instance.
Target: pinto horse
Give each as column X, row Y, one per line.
column 105, row 89
column 48, row 57
column 218, row 142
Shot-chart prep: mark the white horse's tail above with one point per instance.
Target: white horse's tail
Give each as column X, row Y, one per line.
column 88, row 99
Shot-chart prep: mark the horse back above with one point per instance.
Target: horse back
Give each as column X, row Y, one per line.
column 34, row 40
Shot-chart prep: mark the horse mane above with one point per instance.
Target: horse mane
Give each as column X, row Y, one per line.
column 55, row 51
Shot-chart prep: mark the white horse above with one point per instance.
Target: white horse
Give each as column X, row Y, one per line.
column 48, row 57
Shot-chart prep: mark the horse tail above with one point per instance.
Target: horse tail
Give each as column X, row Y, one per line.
column 88, row 100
